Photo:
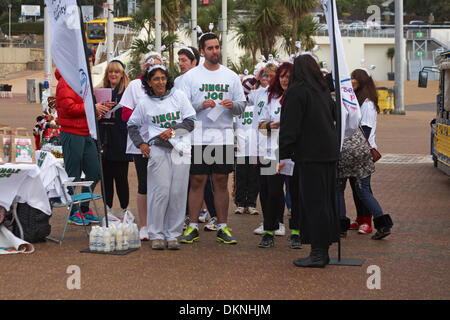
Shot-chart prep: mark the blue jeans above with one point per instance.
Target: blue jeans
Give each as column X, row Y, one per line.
column 364, row 194
column 288, row 193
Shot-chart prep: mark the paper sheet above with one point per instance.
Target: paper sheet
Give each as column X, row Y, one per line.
column 288, row 169
column 216, row 112
column 110, row 112
column 103, row 94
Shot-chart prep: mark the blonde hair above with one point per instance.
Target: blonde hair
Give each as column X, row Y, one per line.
column 144, row 65
column 117, row 66
column 270, row 67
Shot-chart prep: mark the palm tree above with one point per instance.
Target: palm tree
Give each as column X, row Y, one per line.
column 268, row 20
column 305, row 30
column 247, row 37
column 144, row 18
column 297, row 9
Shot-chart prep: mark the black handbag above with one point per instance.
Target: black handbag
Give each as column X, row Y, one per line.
column 34, row 223
column 375, row 154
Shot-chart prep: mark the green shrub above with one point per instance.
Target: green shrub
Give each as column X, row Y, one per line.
column 24, row 28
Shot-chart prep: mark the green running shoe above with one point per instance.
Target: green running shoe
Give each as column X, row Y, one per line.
column 224, row 235
column 190, row 235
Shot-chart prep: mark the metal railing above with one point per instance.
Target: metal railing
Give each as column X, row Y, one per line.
column 384, row 31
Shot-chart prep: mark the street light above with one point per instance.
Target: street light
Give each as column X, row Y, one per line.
column 9, row 34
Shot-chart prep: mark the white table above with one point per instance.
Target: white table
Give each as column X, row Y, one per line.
column 22, row 183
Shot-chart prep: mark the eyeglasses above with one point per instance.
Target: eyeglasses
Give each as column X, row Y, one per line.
column 159, row 79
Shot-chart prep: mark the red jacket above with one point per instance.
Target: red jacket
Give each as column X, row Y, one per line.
column 70, row 108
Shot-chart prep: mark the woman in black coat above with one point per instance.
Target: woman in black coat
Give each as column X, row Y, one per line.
column 309, row 137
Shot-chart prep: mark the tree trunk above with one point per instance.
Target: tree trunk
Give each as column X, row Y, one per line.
column 294, row 33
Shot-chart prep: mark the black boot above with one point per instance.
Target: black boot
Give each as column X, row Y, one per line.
column 318, row 258
column 345, row 225
column 383, row 226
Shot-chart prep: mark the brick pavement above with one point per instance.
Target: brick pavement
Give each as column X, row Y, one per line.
column 414, row 261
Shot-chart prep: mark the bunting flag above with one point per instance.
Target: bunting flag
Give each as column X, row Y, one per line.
column 350, row 111
column 69, row 53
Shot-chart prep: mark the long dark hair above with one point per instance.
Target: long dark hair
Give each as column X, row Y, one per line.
column 148, row 75
column 275, row 90
column 307, row 70
column 366, row 88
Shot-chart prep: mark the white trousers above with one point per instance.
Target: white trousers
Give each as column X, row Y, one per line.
column 167, row 185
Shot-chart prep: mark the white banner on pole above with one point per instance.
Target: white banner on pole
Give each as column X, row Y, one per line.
column 350, row 111
column 68, row 53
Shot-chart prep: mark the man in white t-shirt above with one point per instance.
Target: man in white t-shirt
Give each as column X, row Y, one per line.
column 216, row 94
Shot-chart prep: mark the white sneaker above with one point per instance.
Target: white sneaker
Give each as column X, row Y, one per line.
column 211, row 225
column 252, row 211
column 260, row 229
column 239, row 210
column 281, row 230
column 143, row 234
column 203, row 217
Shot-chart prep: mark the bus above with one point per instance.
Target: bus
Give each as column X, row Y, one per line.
column 440, row 125
column 96, row 29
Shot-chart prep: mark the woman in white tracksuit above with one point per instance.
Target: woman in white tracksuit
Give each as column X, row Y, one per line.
column 169, row 117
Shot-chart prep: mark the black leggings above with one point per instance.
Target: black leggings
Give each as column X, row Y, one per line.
column 116, row 171
column 140, row 163
column 272, row 200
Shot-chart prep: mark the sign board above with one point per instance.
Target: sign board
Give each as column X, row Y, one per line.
column 88, row 13
column 419, row 53
column 105, row 10
column 30, row 10
column 419, row 35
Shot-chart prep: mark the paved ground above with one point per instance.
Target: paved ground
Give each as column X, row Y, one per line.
column 413, row 261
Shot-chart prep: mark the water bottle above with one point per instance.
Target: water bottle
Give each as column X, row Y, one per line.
column 119, row 239
column 126, row 237
column 137, row 239
column 99, row 240
column 106, row 240
column 113, row 238
column 92, row 240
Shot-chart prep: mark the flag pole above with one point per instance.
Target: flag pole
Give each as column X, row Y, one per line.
column 99, row 145
column 337, row 88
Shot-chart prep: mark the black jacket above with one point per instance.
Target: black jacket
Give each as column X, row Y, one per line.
column 308, row 125
column 113, row 134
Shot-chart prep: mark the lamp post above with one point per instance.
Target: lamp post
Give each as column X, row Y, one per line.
column 399, row 90
column 158, row 25
column 9, row 33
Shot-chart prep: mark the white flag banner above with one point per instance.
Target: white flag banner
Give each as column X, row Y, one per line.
column 350, row 111
column 68, row 53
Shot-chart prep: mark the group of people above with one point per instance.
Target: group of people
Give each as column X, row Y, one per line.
column 186, row 137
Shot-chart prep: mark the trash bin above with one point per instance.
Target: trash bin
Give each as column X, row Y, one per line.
column 385, row 99
column 32, row 92
column 41, row 90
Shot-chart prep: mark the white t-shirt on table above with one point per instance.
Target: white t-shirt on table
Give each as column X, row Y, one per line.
column 201, row 84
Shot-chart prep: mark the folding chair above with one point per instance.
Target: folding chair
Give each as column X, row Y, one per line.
column 76, row 198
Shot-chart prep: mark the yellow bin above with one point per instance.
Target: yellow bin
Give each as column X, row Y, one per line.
column 385, row 99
